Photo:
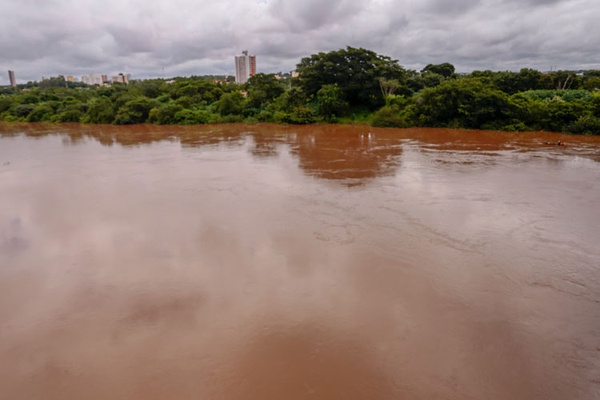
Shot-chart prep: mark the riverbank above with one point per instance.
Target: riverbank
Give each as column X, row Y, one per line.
column 195, row 134
column 470, row 102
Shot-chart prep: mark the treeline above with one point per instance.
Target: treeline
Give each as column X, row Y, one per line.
column 348, row 85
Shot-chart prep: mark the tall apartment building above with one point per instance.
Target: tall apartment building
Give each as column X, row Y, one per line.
column 11, row 77
column 121, row 78
column 245, row 67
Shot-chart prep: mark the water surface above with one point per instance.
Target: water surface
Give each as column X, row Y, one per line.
column 270, row 262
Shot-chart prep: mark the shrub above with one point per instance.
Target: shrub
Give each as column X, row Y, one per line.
column 100, row 111
column 231, row 119
column 23, row 110
column 135, row 111
column 301, row 115
column 166, row 113
column 585, row 125
column 554, row 95
column 193, row 117
column 42, row 112
column 387, row 117
column 5, row 103
column 70, row 115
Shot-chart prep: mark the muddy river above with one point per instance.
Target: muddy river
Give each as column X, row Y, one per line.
column 321, row 262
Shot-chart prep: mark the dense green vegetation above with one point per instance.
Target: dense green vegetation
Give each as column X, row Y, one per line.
column 347, row 85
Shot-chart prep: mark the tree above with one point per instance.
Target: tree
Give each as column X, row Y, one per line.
column 292, row 98
column 529, row 79
column 166, row 113
column 466, row 103
column 387, row 117
column 562, row 80
column 70, row 115
column 432, row 79
column 58, row 81
column 41, row 112
column 263, row 88
column 388, row 86
column 198, row 89
column 444, row 69
column 100, row 111
column 592, row 83
column 23, row 110
column 331, row 102
column 6, row 103
column 231, row 104
column 151, row 88
column 134, row 111
column 356, row 72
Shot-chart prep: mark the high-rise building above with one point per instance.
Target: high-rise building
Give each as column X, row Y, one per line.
column 245, row 67
column 11, row 77
column 121, row 78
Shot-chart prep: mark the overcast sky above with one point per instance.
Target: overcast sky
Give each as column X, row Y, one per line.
column 152, row 38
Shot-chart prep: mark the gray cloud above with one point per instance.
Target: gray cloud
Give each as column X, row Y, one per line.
column 148, row 38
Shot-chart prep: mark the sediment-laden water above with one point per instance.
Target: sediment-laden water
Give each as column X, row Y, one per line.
column 326, row 262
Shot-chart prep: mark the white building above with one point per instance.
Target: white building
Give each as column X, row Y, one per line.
column 245, row 67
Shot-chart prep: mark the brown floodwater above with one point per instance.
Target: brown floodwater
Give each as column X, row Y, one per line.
column 319, row 262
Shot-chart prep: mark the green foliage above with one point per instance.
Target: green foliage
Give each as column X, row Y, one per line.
column 6, row 102
column 100, row 111
column 292, row 98
column 262, row 89
column 23, row 110
column 445, row 69
column 562, row 80
column 555, row 115
column 300, row 115
column 151, row 88
column 594, row 106
column 432, row 79
column 355, row 71
column 70, row 115
column 5, row 90
column 166, row 113
column 193, row 117
column 585, row 125
column 27, row 98
column 558, row 95
column 231, row 119
column 387, row 117
column 467, row 103
column 352, row 85
column 514, row 82
column 200, row 90
column 331, row 102
column 231, row 104
column 186, row 101
column 592, row 83
column 58, row 81
column 41, row 112
column 135, row 111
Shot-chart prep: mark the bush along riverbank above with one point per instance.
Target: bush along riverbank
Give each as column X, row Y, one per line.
column 350, row 85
